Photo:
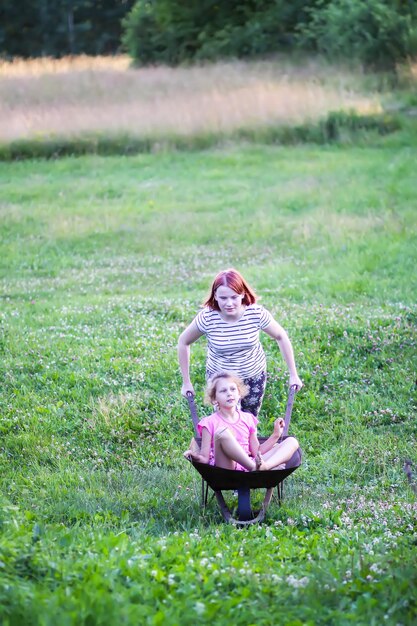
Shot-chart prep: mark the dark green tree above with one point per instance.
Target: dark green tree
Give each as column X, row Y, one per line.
column 31, row 28
column 377, row 33
column 175, row 31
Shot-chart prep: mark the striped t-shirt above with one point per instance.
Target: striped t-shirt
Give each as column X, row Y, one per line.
column 234, row 346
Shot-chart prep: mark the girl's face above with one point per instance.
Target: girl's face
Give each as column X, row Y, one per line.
column 230, row 302
column 227, row 393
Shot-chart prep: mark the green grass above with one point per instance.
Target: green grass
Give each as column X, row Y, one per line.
column 103, row 262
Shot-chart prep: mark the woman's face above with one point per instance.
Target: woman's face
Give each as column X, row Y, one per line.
column 230, row 302
column 227, row 393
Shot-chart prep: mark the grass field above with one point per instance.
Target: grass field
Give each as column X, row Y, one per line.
column 103, row 262
column 70, row 97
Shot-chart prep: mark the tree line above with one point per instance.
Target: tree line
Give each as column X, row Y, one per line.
column 376, row 32
column 56, row 28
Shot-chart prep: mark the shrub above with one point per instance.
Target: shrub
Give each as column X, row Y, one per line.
column 163, row 31
column 378, row 33
column 145, row 39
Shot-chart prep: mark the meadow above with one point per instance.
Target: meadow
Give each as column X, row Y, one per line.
column 103, row 262
column 70, row 97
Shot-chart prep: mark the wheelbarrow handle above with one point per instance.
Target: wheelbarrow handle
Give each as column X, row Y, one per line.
column 288, row 410
column 193, row 410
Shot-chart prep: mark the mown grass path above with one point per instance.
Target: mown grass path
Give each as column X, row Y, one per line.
column 103, row 261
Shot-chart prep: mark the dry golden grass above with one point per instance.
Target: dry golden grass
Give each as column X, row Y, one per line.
column 72, row 96
column 46, row 65
column 107, row 408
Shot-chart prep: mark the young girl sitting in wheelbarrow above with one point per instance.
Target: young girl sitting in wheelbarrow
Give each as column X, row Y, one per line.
column 229, row 436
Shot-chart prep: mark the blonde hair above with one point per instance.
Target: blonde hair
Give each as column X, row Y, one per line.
column 210, row 392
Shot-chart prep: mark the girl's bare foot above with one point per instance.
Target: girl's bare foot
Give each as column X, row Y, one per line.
column 260, row 463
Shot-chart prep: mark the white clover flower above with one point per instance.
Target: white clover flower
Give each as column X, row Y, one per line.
column 297, row 582
column 199, row 608
column 375, row 568
column 276, row 579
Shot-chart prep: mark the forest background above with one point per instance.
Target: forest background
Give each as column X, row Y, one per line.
column 377, row 32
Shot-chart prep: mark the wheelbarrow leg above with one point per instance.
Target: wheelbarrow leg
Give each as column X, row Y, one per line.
column 279, row 493
column 244, row 510
column 204, row 493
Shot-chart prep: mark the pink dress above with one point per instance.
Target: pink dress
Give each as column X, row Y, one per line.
column 242, row 429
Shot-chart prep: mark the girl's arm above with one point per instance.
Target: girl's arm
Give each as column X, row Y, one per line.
column 204, row 455
column 272, row 439
column 189, row 336
column 276, row 331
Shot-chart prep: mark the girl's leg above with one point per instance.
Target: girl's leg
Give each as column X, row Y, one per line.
column 228, row 451
column 193, row 448
column 253, row 401
column 279, row 454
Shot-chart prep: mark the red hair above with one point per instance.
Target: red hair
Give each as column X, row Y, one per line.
column 232, row 279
